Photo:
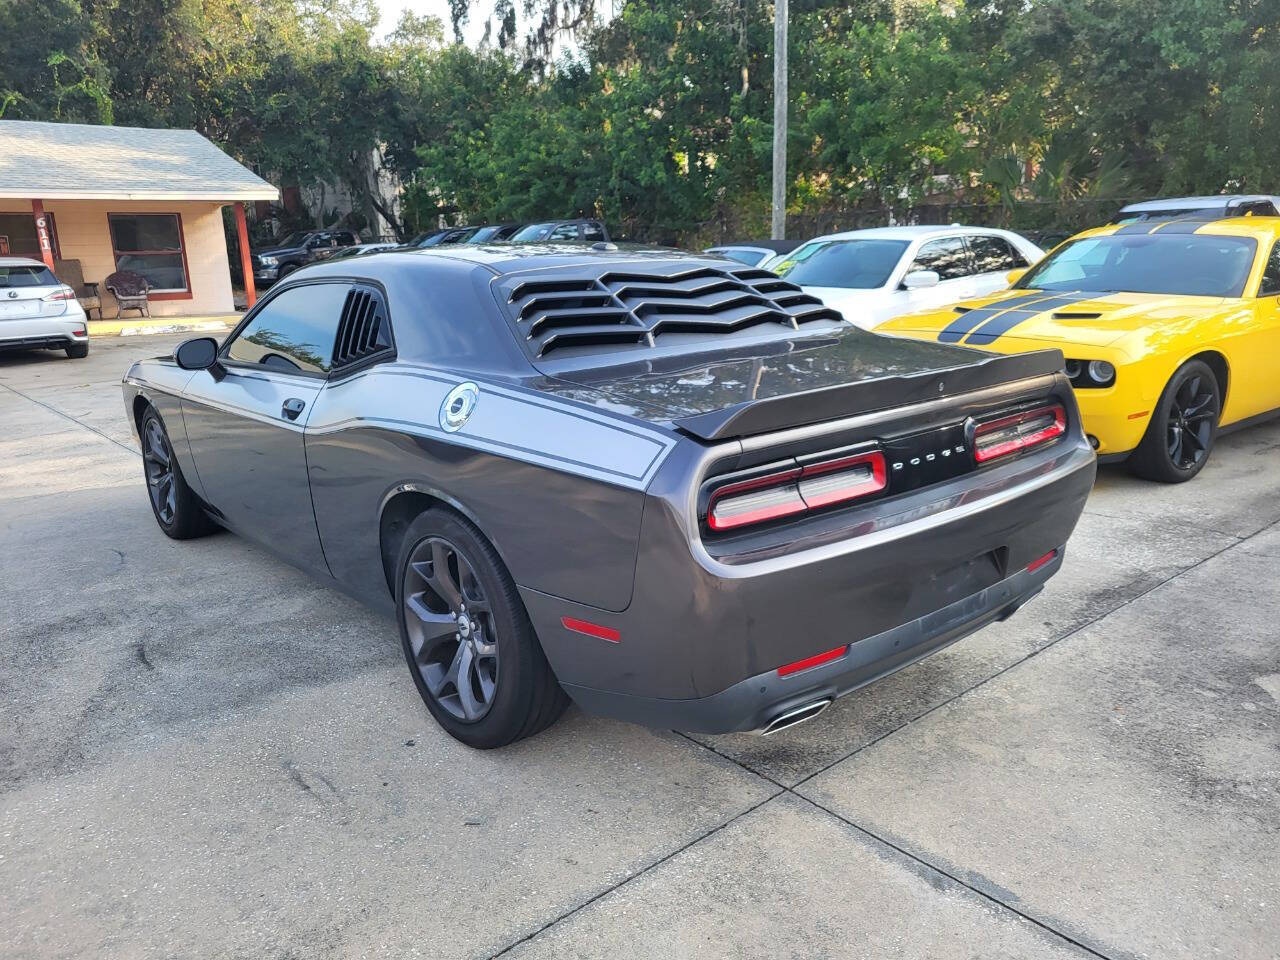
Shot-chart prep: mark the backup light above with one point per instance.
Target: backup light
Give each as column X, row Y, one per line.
column 796, row 490
column 1017, row 432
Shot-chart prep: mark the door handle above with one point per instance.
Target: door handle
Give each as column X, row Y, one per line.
column 291, row 408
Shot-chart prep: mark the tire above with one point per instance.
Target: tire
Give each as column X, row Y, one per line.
column 285, row 270
column 175, row 505
column 78, row 351
column 1183, row 427
column 508, row 691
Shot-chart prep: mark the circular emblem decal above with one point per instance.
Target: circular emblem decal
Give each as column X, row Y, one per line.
column 13, row 294
column 458, row 406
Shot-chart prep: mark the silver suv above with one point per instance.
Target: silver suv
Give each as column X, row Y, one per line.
column 37, row 311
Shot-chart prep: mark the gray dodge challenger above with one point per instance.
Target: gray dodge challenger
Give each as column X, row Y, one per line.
column 672, row 488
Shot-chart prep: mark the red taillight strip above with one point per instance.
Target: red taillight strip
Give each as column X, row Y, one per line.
column 590, row 629
column 754, row 516
column 816, row 660
column 800, row 500
column 1015, row 444
column 1036, row 564
column 876, row 482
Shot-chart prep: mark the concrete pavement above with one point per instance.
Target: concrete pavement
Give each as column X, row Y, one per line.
column 205, row 753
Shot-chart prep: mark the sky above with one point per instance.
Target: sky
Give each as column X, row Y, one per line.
column 390, row 11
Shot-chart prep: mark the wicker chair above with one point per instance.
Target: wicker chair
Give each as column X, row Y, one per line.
column 71, row 273
column 130, row 290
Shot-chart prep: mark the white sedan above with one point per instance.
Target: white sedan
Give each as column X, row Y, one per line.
column 872, row 276
column 37, row 311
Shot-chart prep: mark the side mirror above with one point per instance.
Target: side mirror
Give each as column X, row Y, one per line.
column 200, row 353
column 1013, row 276
column 920, row 279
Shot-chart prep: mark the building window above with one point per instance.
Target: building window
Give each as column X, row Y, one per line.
column 151, row 244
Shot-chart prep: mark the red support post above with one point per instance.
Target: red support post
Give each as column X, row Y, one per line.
column 42, row 232
column 246, row 262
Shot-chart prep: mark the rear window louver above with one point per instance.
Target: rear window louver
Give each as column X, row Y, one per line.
column 363, row 330
column 624, row 309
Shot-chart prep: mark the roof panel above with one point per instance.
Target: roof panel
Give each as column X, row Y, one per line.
column 57, row 161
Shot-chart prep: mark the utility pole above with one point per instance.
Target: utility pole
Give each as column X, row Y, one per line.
column 778, row 229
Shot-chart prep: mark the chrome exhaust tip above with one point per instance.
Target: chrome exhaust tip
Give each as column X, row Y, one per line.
column 794, row 716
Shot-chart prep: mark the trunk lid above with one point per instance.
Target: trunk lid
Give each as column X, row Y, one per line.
column 801, row 381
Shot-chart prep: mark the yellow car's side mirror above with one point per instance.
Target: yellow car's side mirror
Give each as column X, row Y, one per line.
column 1013, row 276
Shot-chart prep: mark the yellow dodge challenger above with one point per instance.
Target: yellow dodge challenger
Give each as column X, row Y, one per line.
column 1171, row 330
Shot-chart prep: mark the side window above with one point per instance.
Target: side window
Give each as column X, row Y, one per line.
column 566, row 231
column 992, row 254
column 948, row 258
column 592, row 232
column 294, row 330
column 1270, row 285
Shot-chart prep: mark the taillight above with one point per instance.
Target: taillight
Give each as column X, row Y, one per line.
column 796, row 490
column 1016, row 432
column 62, row 293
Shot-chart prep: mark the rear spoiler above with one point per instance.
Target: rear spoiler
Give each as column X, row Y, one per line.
column 866, row 396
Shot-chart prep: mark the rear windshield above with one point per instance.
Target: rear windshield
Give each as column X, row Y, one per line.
column 26, row 277
column 742, row 254
column 1182, row 264
column 532, row 232
column 853, row 264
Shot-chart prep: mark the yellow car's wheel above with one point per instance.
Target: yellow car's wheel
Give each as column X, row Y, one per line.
column 1183, row 427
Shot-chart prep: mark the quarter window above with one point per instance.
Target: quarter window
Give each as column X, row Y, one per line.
column 1270, row 285
column 994, row 254
column 948, row 258
column 293, row 331
column 151, row 244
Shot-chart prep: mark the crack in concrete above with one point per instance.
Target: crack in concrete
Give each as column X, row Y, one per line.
column 66, row 416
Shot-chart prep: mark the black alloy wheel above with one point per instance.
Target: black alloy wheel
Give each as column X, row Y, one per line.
column 1192, row 417
column 1183, row 427
column 451, row 629
column 471, row 649
column 157, row 460
column 178, row 510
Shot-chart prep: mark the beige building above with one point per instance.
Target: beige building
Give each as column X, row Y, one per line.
column 124, row 198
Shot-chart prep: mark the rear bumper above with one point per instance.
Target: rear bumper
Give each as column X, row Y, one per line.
column 751, row 703
column 700, row 644
column 44, row 332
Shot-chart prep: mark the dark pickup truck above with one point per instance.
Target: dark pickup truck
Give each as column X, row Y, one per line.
column 297, row 250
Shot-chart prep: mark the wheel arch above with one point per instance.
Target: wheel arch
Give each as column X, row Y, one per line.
column 405, row 503
column 1216, row 361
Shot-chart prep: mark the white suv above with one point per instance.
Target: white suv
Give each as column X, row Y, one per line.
column 39, row 312
column 872, row 276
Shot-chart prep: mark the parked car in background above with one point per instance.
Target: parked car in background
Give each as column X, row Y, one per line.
column 871, row 276
column 674, row 487
column 38, row 311
column 1171, row 329
column 1222, row 205
column 494, row 232
column 361, row 248
column 438, row 238
column 557, row 231
column 297, row 250
column 754, row 252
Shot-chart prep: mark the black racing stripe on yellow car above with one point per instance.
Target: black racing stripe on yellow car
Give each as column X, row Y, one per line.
column 954, row 331
column 998, row 326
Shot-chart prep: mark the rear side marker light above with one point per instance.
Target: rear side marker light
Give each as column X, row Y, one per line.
column 816, row 660
column 1017, row 432
column 1035, row 565
column 587, row 628
column 797, row 490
